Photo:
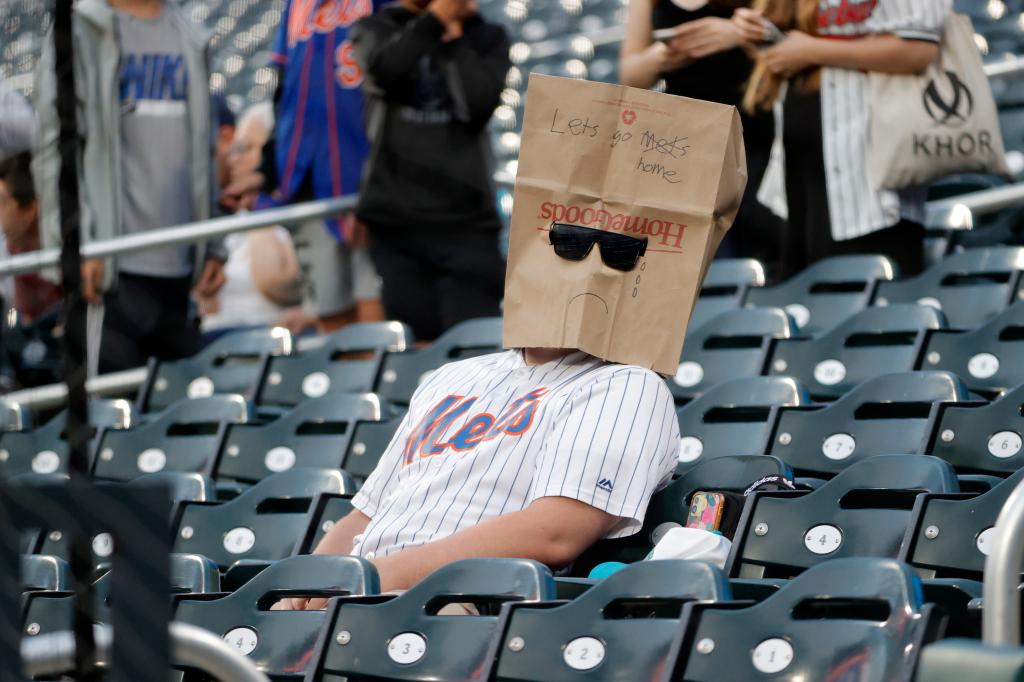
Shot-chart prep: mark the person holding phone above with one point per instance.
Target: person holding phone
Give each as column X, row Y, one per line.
column 816, row 78
column 702, row 53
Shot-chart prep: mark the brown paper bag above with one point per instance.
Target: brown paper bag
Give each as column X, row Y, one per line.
column 615, row 158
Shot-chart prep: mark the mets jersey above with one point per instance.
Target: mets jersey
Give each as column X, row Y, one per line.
column 489, row 435
column 319, row 127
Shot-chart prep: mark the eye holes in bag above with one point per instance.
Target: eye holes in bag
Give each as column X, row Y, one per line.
column 875, row 610
column 894, row 410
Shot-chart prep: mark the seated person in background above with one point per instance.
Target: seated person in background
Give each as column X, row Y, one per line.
column 262, row 277
column 19, row 216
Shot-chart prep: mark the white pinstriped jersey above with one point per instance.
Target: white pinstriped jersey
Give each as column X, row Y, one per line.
column 489, row 435
column 855, row 207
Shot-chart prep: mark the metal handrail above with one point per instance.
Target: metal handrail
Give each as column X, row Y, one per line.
column 191, row 646
column 1000, row 624
column 959, row 212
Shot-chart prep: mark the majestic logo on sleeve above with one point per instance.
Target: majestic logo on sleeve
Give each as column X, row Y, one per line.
column 956, row 110
column 429, row 436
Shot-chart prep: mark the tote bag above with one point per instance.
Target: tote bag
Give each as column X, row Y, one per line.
column 943, row 121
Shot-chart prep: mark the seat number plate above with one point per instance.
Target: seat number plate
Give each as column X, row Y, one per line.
column 583, row 653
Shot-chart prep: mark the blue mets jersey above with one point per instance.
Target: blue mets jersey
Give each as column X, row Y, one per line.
column 319, row 126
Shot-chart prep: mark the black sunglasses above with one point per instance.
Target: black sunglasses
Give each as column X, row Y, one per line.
column 618, row 251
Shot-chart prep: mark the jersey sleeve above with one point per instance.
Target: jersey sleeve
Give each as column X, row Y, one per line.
column 379, row 483
column 279, row 50
column 910, row 19
column 613, row 443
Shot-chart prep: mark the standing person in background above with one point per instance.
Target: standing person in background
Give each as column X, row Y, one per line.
column 318, row 152
column 434, row 74
column 17, row 121
column 147, row 162
column 706, row 58
column 819, row 76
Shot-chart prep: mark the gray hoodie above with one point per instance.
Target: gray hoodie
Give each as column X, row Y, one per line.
column 97, row 60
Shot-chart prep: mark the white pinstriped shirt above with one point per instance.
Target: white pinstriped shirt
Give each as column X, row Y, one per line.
column 855, row 207
column 489, row 435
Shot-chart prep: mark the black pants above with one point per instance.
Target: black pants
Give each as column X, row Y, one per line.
column 434, row 279
column 147, row 317
column 807, row 236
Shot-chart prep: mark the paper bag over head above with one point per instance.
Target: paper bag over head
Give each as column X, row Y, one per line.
column 667, row 169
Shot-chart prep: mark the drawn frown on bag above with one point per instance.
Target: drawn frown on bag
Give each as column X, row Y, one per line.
column 622, row 197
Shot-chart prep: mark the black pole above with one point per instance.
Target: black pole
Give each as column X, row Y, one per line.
column 75, row 357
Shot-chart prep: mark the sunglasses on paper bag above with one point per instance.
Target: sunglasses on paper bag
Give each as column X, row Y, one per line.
column 618, row 251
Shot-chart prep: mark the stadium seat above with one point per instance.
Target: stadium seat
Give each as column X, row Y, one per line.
column 970, row 287
column 670, row 506
column 317, row 433
column 327, row 509
column 725, row 286
column 890, row 414
column 44, row 450
column 265, row 522
column 734, row 417
column 954, row 660
column 952, row 534
column 990, row 358
column 403, row 372
column 731, row 346
column 862, row 512
column 53, row 611
column 848, row 619
column 867, row 344
column 620, row 629
column 13, row 417
column 183, row 437
column 827, row 292
column 280, row 643
column 45, row 574
column 348, row 360
column 981, row 438
column 231, row 364
column 404, row 638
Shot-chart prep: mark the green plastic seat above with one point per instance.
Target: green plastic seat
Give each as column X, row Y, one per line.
column 670, row 506
column 970, row 287
column 725, row 287
column 327, row 510
column 734, row 418
column 952, row 534
column 403, row 638
column 733, row 345
column 231, row 364
column 265, row 522
column 318, row 433
column 403, row 372
column 828, row 292
column 348, row 360
column 955, row 660
column 279, row 643
column 183, row 437
column 870, row 343
column 45, row 574
column 862, row 512
column 981, row 438
column 990, row 358
column 890, row 414
column 44, row 450
column 847, row 619
column 618, row 631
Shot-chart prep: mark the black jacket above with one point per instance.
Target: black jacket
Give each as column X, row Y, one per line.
column 427, row 107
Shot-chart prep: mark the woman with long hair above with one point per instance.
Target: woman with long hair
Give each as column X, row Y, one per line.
column 817, row 80
column 706, row 57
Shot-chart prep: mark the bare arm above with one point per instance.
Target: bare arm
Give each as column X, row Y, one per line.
column 552, row 530
column 641, row 59
column 275, row 267
column 882, row 53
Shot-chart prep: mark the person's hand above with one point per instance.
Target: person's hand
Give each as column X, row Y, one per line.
column 791, row 56
column 242, row 190
column 92, row 281
column 357, row 235
column 751, row 26
column 211, row 279
column 707, row 36
column 296, row 320
column 668, row 58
